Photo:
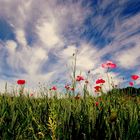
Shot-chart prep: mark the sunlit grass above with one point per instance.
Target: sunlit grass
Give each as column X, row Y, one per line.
column 105, row 117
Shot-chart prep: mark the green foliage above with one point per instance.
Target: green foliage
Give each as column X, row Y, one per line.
column 115, row 117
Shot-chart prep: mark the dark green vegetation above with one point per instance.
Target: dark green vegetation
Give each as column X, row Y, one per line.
column 114, row 116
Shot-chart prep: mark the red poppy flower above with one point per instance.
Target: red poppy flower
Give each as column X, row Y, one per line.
column 97, row 88
column 31, row 94
column 109, row 64
column 21, row 82
column 54, row 88
column 79, row 78
column 100, row 81
column 97, row 103
column 134, row 77
column 67, row 87
column 72, row 89
column 131, row 83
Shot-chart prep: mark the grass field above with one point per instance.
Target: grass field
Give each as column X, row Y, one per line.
column 111, row 116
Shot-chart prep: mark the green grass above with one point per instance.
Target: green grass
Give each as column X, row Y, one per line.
column 116, row 117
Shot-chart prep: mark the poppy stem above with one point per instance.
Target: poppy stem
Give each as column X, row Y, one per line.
column 21, row 90
column 74, row 72
column 108, row 81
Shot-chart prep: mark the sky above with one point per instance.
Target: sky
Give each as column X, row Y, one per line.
column 38, row 39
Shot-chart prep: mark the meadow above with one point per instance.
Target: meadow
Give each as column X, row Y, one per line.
column 114, row 115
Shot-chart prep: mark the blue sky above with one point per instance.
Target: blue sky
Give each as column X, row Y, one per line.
column 38, row 38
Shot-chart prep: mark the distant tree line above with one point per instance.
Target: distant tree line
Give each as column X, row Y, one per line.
column 127, row 91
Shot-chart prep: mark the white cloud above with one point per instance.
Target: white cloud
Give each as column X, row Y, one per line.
column 86, row 57
column 15, row 12
column 11, row 45
column 39, row 56
column 28, row 59
column 40, row 53
column 128, row 58
column 48, row 34
column 20, row 36
column 67, row 52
